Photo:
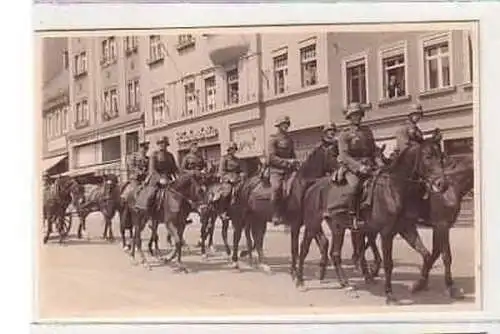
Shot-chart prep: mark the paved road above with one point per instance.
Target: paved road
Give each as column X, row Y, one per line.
column 97, row 279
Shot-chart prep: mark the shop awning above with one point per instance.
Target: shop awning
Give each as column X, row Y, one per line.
column 51, row 162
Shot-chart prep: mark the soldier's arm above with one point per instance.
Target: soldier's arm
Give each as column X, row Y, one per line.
column 344, row 156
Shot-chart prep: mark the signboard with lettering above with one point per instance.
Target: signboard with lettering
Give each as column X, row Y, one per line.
column 203, row 133
column 250, row 141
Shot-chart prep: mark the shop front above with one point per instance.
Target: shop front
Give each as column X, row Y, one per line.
column 250, row 141
column 305, row 141
column 207, row 138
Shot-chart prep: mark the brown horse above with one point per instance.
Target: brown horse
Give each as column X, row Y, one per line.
column 172, row 205
column 390, row 190
column 57, row 198
column 253, row 209
column 104, row 198
column 445, row 202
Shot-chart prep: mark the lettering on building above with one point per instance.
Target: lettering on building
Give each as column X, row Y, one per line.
column 203, row 133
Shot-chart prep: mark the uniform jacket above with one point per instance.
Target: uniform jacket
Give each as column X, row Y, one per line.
column 356, row 147
column 193, row 162
column 230, row 168
column 281, row 152
column 138, row 166
column 163, row 163
column 407, row 135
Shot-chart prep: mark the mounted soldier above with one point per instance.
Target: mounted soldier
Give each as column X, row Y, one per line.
column 329, row 141
column 410, row 134
column 193, row 161
column 230, row 172
column 162, row 166
column 282, row 162
column 138, row 163
column 357, row 157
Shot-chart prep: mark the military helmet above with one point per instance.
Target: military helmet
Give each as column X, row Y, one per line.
column 416, row 109
column 354, row 108
column 282, row 120
column 163, row 139
column 330, row 126
column 232, row 146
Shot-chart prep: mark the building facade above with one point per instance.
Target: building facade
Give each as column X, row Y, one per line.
column 106, row 122
column 217, row 88
column 55, row 106
column 387, row 72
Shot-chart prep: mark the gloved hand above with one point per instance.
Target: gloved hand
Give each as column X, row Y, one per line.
column 364, row 169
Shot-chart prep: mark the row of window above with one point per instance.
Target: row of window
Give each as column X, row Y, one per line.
column 192, row 99
column 308, row 69
column 436, row 62
column 56, row 122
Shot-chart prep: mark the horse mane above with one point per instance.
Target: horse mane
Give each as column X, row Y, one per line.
column 311, row 159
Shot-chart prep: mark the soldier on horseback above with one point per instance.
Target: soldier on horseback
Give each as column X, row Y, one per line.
column 162, row 166
column 139, row 164
column 357, row 155
column 329, row 142
column 282, row 161
column 410, row 134
column 230, row 172
column 193, row 161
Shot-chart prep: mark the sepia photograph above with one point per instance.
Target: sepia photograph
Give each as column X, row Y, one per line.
column 286, row 170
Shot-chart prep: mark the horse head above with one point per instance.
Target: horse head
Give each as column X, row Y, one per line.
column 422, row 163
column 69, row 190
column 320, row 161
column 111, row 185
column 191, row 186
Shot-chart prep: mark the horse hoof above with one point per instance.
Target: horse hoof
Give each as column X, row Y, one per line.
column 265, row 268
column 204, row 256
column 234, row 265
column 301, row 286
column 370, row 280
column 212, row 249
column 419, row 285
column 45, row 240
column 455, row 293
column 391, row 300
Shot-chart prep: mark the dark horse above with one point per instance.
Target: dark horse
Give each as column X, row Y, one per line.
column 172, row 205
column 104, row 198
column 214, row 206
column 253, row 208
column 445, row 199
column 390, row 194
column 57, row 198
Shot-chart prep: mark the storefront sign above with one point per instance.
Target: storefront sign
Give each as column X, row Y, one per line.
column 203, row 133
column 249, row 141
column 57, row 144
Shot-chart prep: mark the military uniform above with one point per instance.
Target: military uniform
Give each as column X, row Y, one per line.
column 357, row 152
column 282, row 161
column 230, row 169
column 138, row 166
column 330, row 143
column 410, row 134
column 161, row 165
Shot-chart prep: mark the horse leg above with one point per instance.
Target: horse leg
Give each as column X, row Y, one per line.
column 355, row 250
column 259, row 228
column 294, row 245
column 377, row 258
column 387, row 243
column 153, row 229
column 203, row 236
column 250, row 244
column 110, row 228
column 451, row 290
column 225, row 227
column 338, row 233
column 437, row 244
column 48, row 230
column 123, row 223
column 304, row 250
column 361, row 247
column 211, row 231
column 237, row 231
column 322, row 242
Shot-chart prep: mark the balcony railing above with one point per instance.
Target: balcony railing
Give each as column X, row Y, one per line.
column 82, row 124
